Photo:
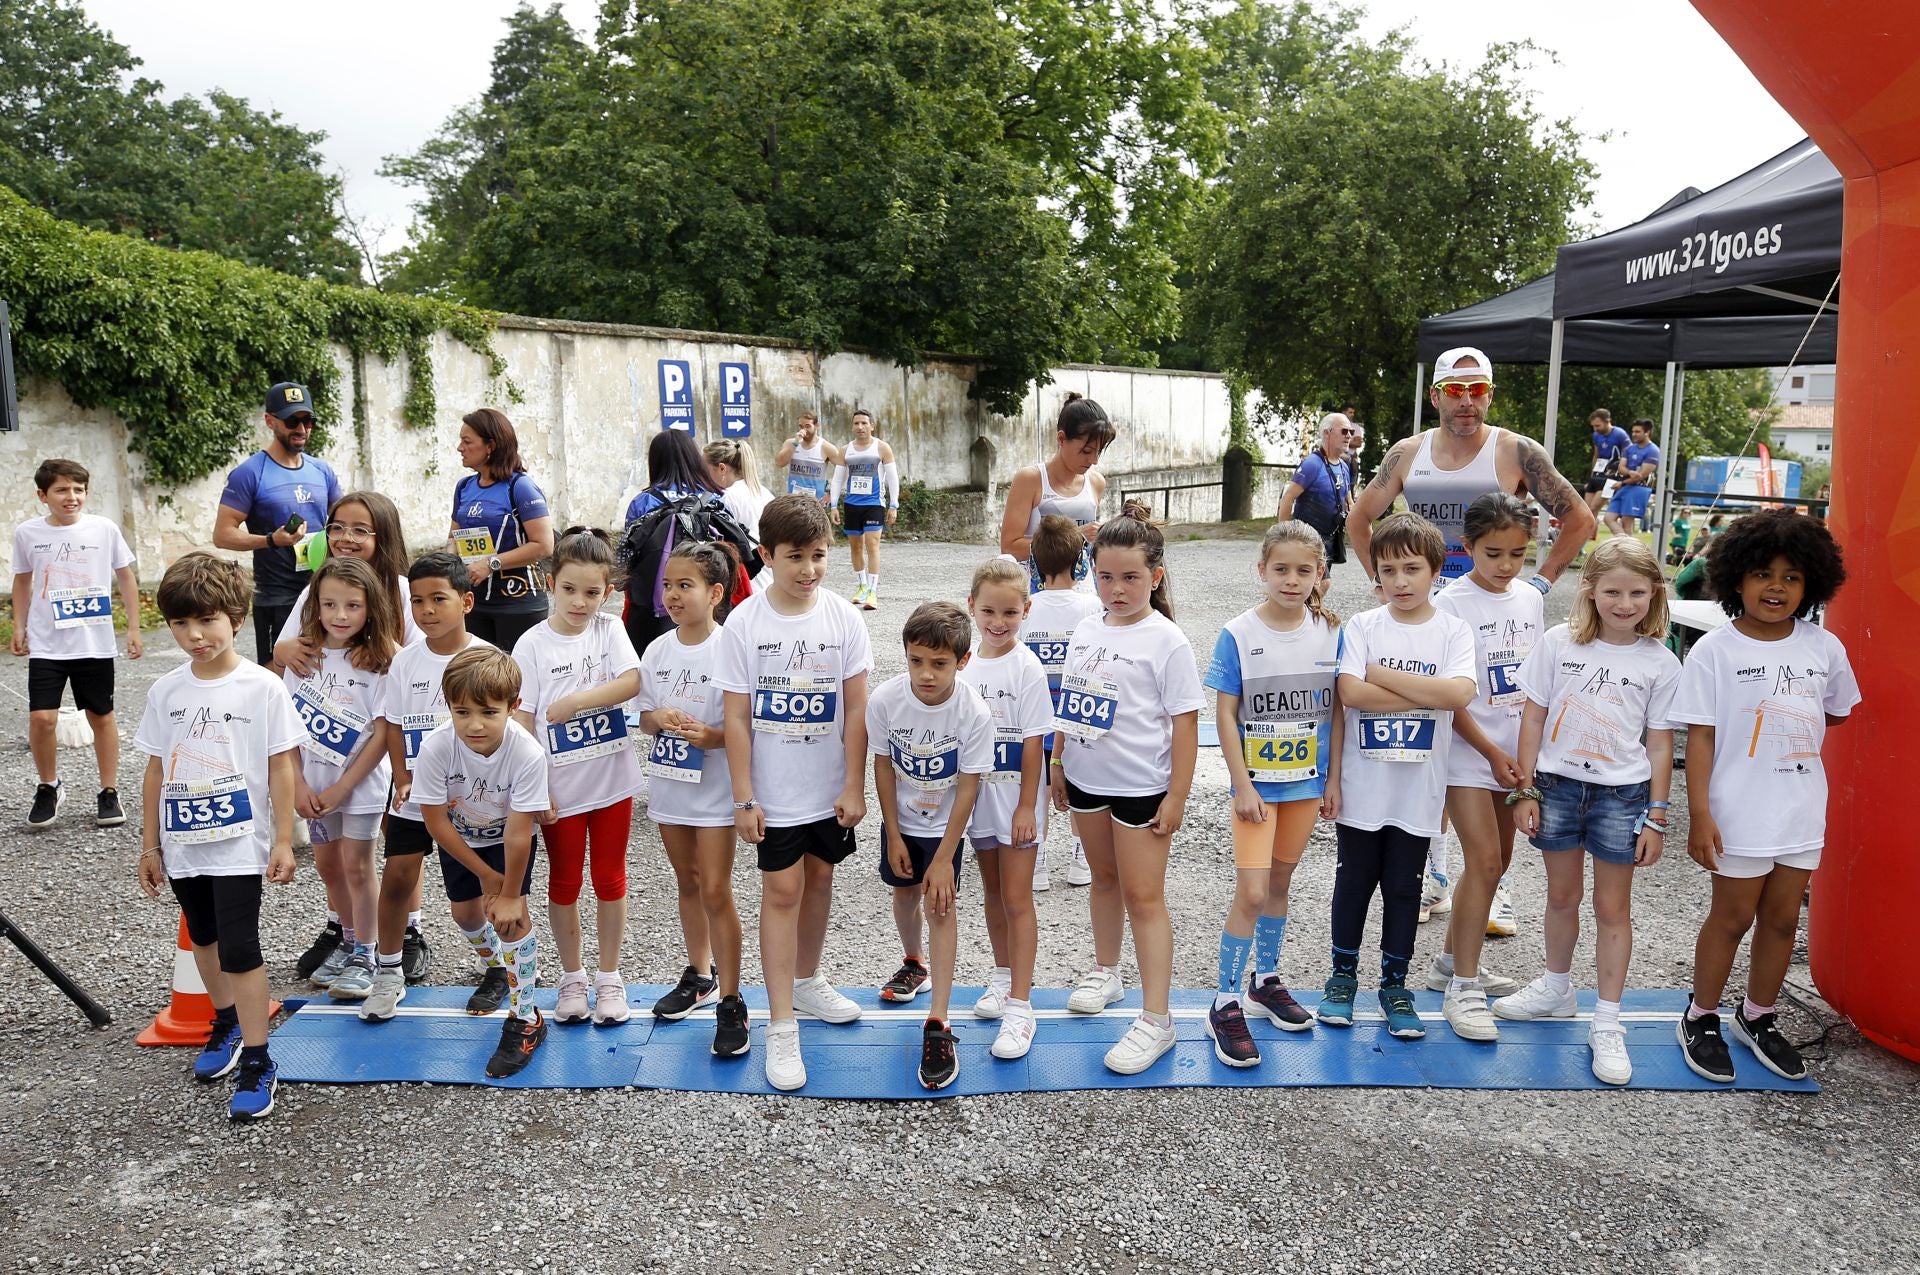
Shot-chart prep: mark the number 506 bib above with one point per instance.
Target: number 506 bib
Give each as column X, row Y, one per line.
column 796, row 704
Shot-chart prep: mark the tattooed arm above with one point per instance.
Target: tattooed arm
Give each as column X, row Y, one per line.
column 1557, row 496
column 1373, row 503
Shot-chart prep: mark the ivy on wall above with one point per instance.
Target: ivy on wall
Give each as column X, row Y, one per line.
column 183, row 345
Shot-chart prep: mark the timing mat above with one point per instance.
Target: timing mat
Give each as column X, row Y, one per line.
column 433, row 1039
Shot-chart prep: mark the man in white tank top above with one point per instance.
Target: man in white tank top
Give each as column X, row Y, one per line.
column 816, row 458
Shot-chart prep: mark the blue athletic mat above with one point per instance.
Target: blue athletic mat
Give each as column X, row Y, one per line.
column 433, row 1039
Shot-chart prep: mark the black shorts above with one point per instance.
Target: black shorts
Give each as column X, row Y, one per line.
column 463, row 886
column 408, row 836
column 922, row 850
column 824, row 839
column 1596, row 483
column 92, row 684
column 223, row 912
column 1131, row 812
column 503, row 626
column 268, row 619
column 858, row 519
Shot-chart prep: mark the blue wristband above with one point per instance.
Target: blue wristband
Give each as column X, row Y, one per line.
column 1543, row 584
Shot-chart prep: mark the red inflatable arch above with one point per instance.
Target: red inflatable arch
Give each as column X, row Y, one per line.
column 1849, row 72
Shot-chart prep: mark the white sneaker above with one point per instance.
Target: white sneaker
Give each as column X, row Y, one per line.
column 1141, row 1047
column 1041, row 884
column 389, row 989
column 821, row 999
column 993, row 1000
column 1466, row 1012
column 1535, row 1001
column 1078, row 873
column 786, row 1070
column 1436, row 895
column 1099, row 989
column 1015, row 1037
column 610, row 1000
column 570, row 1005
column 1500, row 922
column 1439, row 978
column 1610, row 1062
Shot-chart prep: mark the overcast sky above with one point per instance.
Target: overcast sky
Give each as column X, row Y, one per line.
column 378, row 79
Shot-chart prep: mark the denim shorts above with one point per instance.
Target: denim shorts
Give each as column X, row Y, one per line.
column 1598, row 817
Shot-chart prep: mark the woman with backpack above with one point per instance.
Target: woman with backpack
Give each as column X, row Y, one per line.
column 501, row 529
column 683, row 499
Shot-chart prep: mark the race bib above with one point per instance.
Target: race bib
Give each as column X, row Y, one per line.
column 673, row 758
column 1008, row 754
column 1051, row 650
column 333, row 730
column 303, row 552
column 1503, row 683
column 1281, row 752
column 861, row 485
column 414, row 729
column 931, row 767
column 1398, row 736
column 196, row 812
column 78, row 608
column 796, row 704
column 473, row 544
column 601, row 732
column 1086, row 706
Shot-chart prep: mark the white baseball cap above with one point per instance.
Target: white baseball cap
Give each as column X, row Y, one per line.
column 1447, row 366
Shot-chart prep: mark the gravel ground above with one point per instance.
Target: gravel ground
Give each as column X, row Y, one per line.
column 116, row 1161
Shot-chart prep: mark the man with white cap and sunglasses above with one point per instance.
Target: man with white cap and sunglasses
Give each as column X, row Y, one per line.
column 1441, row 472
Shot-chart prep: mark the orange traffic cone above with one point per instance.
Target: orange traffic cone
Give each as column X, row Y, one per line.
column 186, row 1019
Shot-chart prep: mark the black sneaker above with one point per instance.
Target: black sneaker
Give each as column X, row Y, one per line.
column 518, row 1039
column 416, row 958
column 907, row 982
column 1705, row 1050
column 1763, row 1037
column 46, row 804
column 490, row 995
column 1232, row 1042
column 311, row 959
column 1272, row 999
column 730, row 1036
column 109, row 814
column 690, row 993
column 939, row 1062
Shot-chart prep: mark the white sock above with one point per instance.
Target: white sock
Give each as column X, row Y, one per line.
column 1444, row 963
column 1223, row 999
column 1606, row 1014
column 1020, row 1007
column 1437, row 857
column 1456, row 984
column 1001, row 978
column 413, row 919
column 1558, row 984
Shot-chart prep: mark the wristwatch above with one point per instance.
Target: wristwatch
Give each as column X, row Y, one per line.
column 493, row 564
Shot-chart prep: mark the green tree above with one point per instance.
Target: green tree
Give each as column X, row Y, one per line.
column 86, row 139
column 1376, row 193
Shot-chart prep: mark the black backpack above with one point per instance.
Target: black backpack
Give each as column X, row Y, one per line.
column 700, row 516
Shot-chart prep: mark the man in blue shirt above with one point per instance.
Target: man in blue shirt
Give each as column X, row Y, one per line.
column 274, row 500
column 1641, row 461
column 1321, row 490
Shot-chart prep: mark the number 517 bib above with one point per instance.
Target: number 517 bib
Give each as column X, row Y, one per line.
column 1406, row 737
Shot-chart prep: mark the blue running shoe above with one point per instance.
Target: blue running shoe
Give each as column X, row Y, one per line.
column 253, row 1095
column 1336, row 1002
column 221, row 1053
column 1402, row 1020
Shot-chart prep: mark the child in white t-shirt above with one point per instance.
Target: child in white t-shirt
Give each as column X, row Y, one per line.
column 577, row 672
column 1126, row 730
column 222, row 744
column 1006, row 828
column 1757, row 697
column 1404, row 668
column 344, row 776
column 793, row 663
column 1057, row 608
column 690, row 793
column 481, row 782
column 66, row 565
column 936, row 738
column 1481, row 765
column 1596, row 746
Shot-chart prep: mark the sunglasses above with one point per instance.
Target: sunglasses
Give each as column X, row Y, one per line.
column 1462, row 389
column 298, row 422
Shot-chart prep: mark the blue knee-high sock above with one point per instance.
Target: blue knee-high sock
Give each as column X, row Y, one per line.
column 1269, row 932
column 1233, row 962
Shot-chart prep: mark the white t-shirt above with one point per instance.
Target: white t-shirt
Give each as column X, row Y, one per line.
column 409, row 631
column 1393, row 766
column 416, row 704
column 1120, row 690
column 214, row 740
column 1051, row 618
column 479, row 791
column 745, row 506
column 931, row 745
column 1601, row 700
column 1505, row 628
column 795, row 669
column 592, row 756
column 1768, row 704
column 70, row 612
column 339, row 705
column 1014, row 689
column 688, row 787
